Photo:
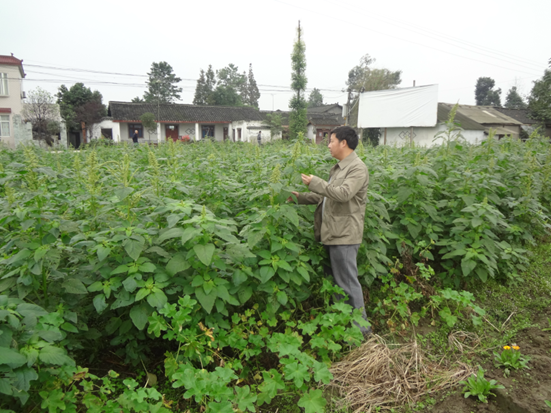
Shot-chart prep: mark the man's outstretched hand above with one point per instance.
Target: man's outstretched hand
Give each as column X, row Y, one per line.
column 290, row 199
column 306, row 179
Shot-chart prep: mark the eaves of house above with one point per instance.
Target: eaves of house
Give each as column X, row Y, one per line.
column 181, row 113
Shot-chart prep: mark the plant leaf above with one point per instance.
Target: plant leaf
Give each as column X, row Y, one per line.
column 204, row 252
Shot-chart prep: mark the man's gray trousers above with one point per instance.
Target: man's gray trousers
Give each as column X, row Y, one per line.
column 344, row 270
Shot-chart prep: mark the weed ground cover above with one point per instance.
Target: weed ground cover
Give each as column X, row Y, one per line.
column 185, row 261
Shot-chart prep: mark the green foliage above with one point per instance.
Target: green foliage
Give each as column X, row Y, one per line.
column 205, row 87
column 251, row 94
column 478, row 386
column 315, row 99
column 511, row 358
column 148, row 122
column 40, row 109
column 162, row 84
column 484, row 93
column 363, row 78
column 79, row 104
column 297, row 119
column 192, row 250
column 513, row 100
column 539, row 101
column 230, row 89
column 29, row 342
column 274, row 122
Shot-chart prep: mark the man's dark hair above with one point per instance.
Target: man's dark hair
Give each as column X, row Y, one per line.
column 346, row 133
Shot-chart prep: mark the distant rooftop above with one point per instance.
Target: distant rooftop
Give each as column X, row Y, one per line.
column 12, row 60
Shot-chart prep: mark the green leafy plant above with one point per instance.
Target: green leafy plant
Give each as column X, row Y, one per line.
column 478, row 386
column 511, row 358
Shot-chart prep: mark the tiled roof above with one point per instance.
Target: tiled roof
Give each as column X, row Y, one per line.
column 11, row 60
column 316, row 119
column 326, row 108
column 465, row 122
column 522, row 115
column 179, row 113
column 485, row 115
column 325, row 119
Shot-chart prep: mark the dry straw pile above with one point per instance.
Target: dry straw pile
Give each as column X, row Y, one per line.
column 384, row 375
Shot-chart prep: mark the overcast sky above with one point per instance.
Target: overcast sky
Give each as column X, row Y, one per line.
column 451, row 44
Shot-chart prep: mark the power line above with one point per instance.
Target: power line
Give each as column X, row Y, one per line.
column 439, row 35
column 397, row 37
column 285, row 88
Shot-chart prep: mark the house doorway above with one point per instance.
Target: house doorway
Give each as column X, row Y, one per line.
column 225, row 133
column 107, row 133
column 74, row 139
column 207, row 131
column 322, row 134
column 171, row 132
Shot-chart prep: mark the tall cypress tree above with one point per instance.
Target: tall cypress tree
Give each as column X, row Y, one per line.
column 200, row 98
column 298, row 121
column 205, row 87
column 253, row 93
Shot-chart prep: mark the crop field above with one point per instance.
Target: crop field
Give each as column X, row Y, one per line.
column 178, row 278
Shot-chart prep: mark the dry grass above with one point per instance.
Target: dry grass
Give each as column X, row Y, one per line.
column 388, row 376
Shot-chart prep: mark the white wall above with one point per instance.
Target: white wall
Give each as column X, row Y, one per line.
column 425, row 136
column 12, row 100
column 106, row 124
column 311, row 133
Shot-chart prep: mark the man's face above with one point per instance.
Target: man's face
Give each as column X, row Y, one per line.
column 336, row 147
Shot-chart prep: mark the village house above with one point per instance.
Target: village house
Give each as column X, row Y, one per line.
column 195, row 122
column 528, row 125
column 476, row 122
column 11, row 100
column 182, row 122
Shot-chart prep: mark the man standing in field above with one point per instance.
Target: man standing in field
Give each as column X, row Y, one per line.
column 339, row 216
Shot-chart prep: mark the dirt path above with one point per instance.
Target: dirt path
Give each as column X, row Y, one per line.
column 525, row 391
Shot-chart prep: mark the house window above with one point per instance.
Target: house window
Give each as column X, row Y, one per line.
column 135, row 126
column 4, row 84
column 207, row 131
column 4, row 125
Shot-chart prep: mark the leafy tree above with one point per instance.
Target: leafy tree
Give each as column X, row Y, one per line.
column 315, row 99
column 90, row 113
column 137, row 99
column 252, row 92
column 274, row 122
column 229, row 87
column 514, row 100
column 363, row 78
column 225, row 96
column 298, row 121
column 79, row 104
column 205, row 87
column 40, row 109
column 148, row 122
column 162, row 84
column 484, row 93
column 539, row 102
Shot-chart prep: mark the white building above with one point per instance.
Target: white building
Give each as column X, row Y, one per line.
column 181, row 122
column 11, row 100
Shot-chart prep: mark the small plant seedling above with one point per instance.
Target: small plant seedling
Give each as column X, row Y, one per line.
column 548, row 404
column 511, row 358
column 477, row 385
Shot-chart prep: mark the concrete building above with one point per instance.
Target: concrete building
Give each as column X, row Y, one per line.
column 182, row 122
column 476, row 122
column 12, row 128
